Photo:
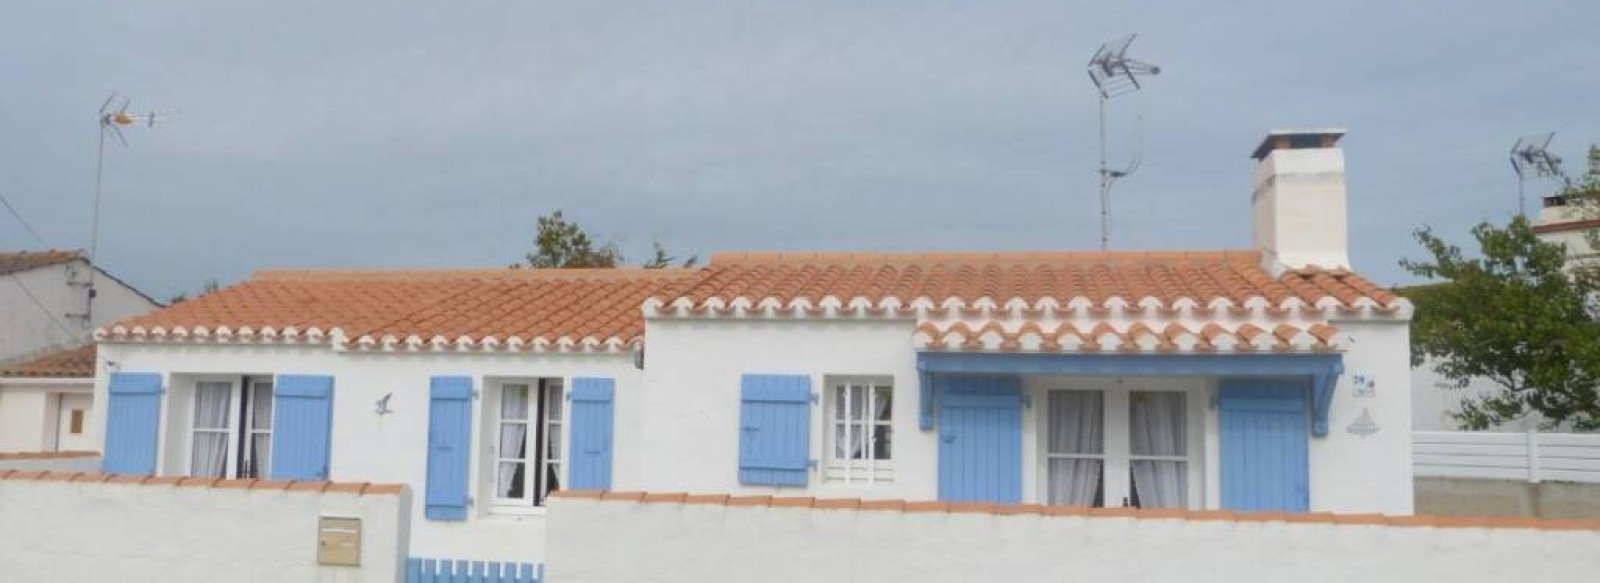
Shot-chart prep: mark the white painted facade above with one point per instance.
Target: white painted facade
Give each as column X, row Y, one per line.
column 62, row 290
column 42, row 310
column 36, row 414
column 1298, row 200
column 623, row 542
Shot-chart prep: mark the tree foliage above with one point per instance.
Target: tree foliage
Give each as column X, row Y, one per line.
column 1516, row 314
column 561, row 243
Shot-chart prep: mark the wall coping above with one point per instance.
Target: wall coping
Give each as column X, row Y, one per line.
column 856, row 504
column 46, row 455
column 318, row 487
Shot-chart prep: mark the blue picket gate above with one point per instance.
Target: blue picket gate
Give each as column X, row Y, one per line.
column 446, row 571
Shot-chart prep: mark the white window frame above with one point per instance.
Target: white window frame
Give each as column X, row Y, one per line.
column 869, row 469
column 544, row 396
column 229, row 430
column 1116, row 453
column 251, row 431
column 239, row 429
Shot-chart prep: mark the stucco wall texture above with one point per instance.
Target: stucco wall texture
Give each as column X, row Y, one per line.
column 669, row 541
column 53, row 529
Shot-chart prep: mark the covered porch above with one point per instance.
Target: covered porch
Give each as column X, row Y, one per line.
column 1188, row 430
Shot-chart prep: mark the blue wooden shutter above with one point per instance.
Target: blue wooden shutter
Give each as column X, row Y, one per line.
column 449, row 447
column 589, row 467
column 302, row 419
column 1264, row 435
column 775, row 430
column 132, row 417
column 980, row 439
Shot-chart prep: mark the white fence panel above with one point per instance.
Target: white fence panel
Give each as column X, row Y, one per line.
column 1531, row 456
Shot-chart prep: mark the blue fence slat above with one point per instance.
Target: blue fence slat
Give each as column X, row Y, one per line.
column 447, row 571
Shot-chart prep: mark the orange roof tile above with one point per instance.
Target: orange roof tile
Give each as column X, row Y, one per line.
column 531, row 306
column 16, row 261
column 1063, row 276
column 67, row 363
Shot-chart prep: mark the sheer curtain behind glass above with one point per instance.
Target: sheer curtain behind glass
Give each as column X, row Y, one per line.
column 513, row 441
column 260, row 429
column 1075, row 447
column 209, row 449
column 1158, row 440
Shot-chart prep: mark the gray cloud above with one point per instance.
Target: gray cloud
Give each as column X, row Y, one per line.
column 401, row 134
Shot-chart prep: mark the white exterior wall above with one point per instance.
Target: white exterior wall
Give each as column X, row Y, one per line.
column 30, row 414
column 690, row 433
column 1356, row 474
column 25, row 329
column 368, row 447
column 59, row 531
column 622, row 542
column 690, row 429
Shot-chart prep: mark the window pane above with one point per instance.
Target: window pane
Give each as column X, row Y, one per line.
column 1160, row 484
column 858, row 403
column 1075, row 422
column 884, row 403
column 514, row 402
column 554, row 450
column 552, row 478
column 509, row 483
column 840, row 398
column 882, row 436
column 209, row 455
column 858, row 445
column 1076, row 482
column 1157, row 423
column 260, row 452
column 514, row 440
column 211, row 405
column 841, row 441
column 553, row 403
column 261, row 406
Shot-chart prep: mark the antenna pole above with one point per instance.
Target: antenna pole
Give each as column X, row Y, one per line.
column 1105, row 183
column 94, row 228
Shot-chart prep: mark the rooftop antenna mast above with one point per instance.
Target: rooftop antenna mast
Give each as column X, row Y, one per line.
column 1531, row 156
column 114, row 116
column 1114, row 74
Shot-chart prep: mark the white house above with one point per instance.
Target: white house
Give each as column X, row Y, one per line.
column 1263, row 379
column 50, row 305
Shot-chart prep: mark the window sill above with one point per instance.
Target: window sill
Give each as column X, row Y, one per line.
column 514, row 512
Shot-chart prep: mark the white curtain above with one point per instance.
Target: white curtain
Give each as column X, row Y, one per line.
column 882, row 398
column 513, row 440
column 1159, row 427
column 852, row 424
column 209, row 453
column 260, row 421
column 1075, row 427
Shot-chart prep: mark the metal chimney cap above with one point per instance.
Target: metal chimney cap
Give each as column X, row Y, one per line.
column 1297, row 139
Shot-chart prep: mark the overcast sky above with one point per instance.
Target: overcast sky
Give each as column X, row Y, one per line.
column 431, row 134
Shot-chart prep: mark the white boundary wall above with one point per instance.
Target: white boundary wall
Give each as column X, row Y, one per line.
column 595, row 541
column 86, row 531
column 51, row 462
column 1530, row 456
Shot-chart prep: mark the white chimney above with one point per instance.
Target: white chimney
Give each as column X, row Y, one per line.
column 1298, row 200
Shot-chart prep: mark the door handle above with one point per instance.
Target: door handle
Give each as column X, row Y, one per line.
column 751, row 428
column 948, row 438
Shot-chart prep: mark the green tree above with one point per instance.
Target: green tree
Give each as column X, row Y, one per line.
column 560, row 243
column 1518, row 314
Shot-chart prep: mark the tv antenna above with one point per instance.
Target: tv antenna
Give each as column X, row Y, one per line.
column 114, row 116
column 1531, row 156
column 1115, row 74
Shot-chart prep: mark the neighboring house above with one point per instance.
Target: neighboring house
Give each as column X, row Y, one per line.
column 46, row 359
column 1268, row 379
column 45, row 402
column 1436, row 398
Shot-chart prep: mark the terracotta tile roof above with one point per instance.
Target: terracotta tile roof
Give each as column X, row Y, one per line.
column 356, row 488
column 68, row 363
column 527, row 305
column 16, row 261
column 854, row 505
column 1098, row 276
column 963, row 300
